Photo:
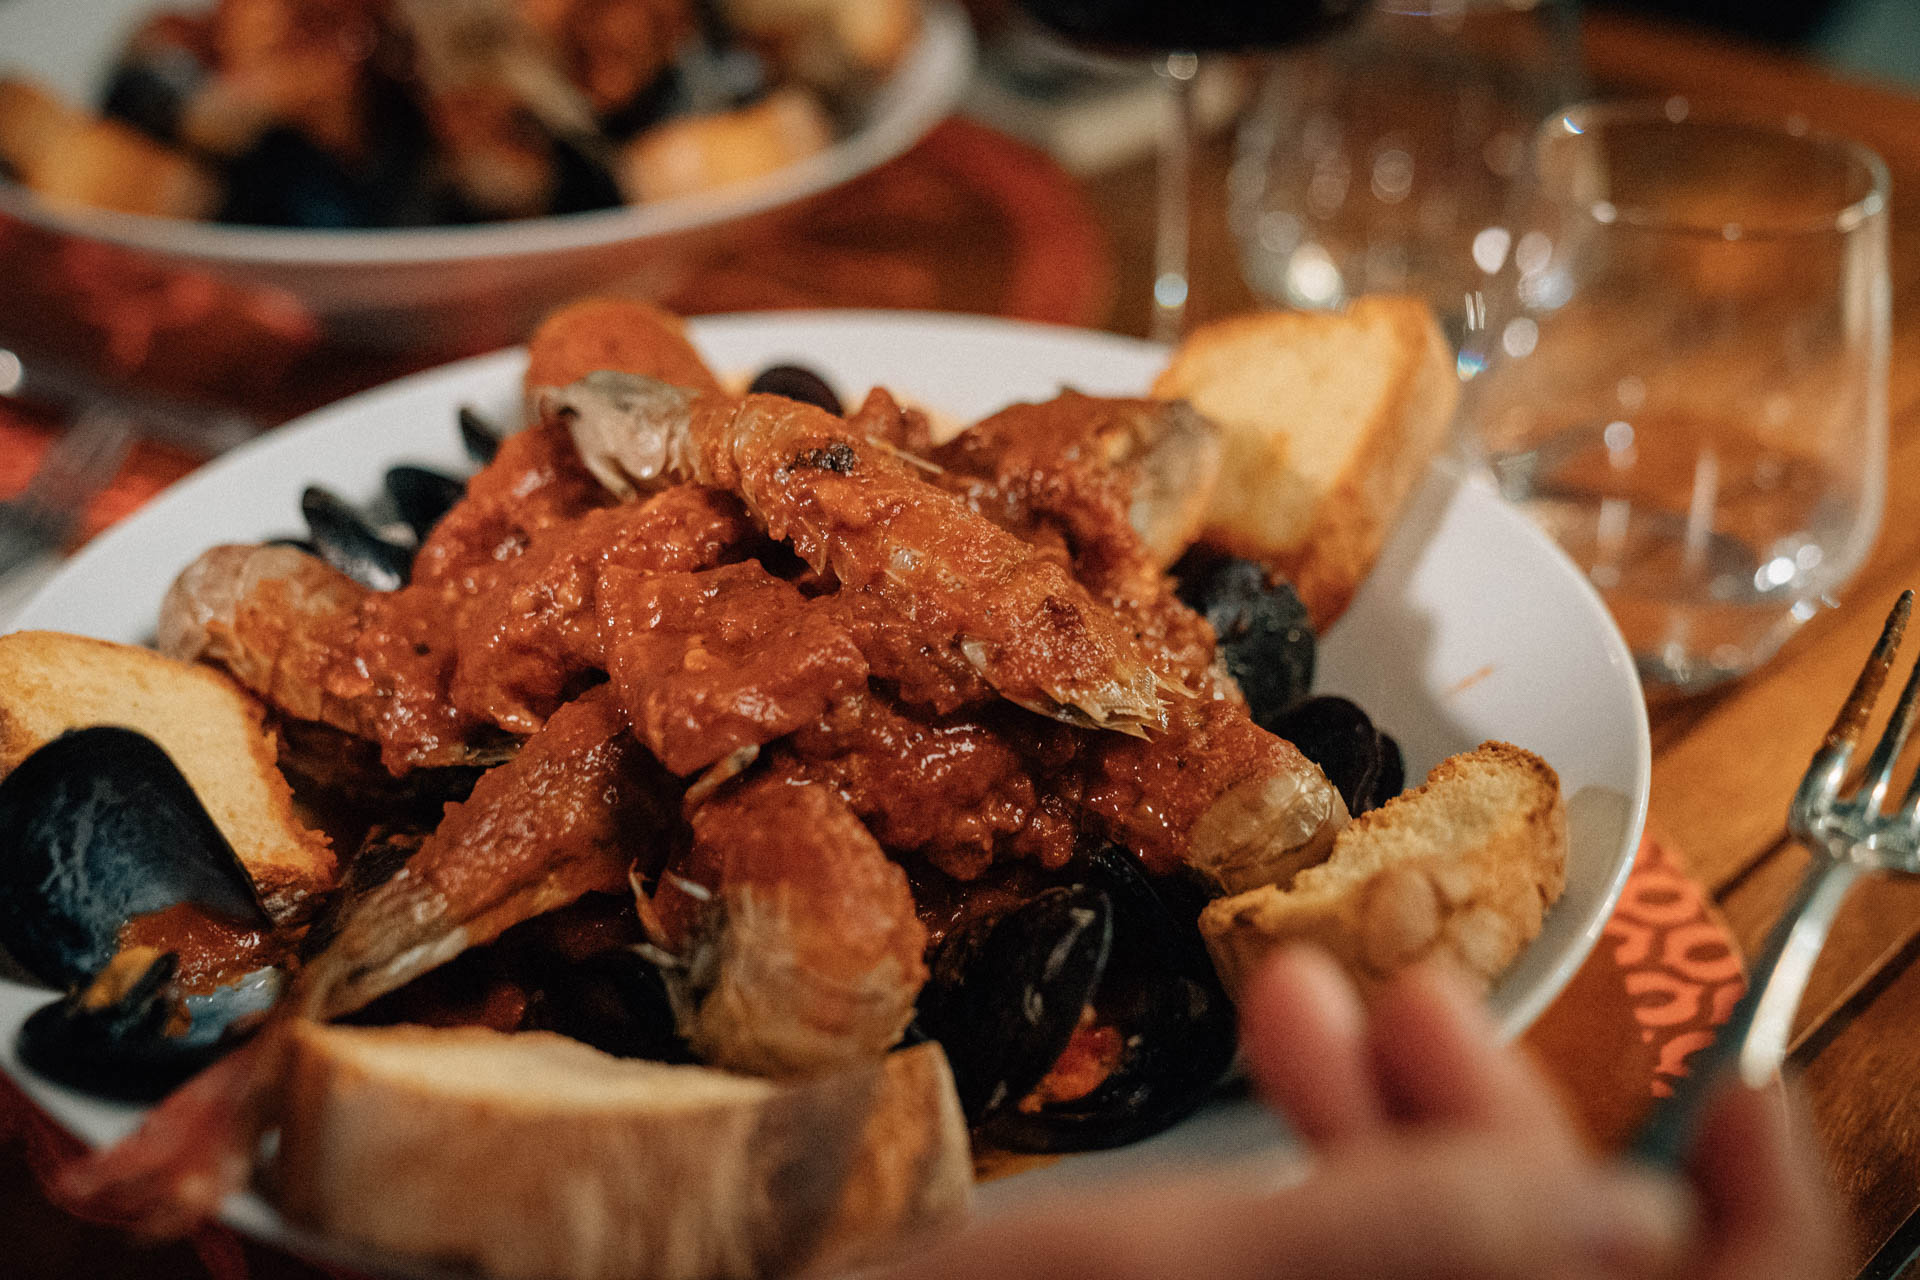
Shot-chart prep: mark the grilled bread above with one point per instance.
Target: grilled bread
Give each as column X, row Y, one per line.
column 1459, row 871
column 51, row 682
column 1327, row 422
column 532, row 1155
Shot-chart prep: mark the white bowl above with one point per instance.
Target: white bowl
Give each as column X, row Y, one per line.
column 447, row 289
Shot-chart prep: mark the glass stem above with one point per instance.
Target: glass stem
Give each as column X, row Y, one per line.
column 1174, row 176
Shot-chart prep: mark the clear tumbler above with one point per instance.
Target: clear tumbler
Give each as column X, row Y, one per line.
column 1680, row 371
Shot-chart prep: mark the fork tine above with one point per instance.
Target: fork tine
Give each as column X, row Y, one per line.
column 1828, row 768
column 1879, row 771
column 1851, row 723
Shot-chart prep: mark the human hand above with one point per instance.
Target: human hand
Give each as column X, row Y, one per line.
column 1438, row 1151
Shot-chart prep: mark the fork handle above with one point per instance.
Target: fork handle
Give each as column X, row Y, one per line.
column 1753, row 1040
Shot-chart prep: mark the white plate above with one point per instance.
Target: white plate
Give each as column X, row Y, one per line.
column 1473, row 625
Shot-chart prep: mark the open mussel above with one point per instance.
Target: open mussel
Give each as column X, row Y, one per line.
column 1088, row 1017
column 120, row 889
column 1005, row 993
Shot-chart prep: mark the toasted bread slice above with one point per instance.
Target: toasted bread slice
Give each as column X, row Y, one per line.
column 692, row 154
column 620, row 334
column 51, row 682
column 1327, row 422
column 1459, row 871
column 534, row 1155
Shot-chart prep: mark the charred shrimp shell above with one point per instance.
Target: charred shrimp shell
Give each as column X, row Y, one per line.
column 1264, row 637
column 1362, row 763
column 1007, row 995
column 100, row 828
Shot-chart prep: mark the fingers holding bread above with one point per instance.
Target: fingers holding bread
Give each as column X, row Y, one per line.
column 1457, row 872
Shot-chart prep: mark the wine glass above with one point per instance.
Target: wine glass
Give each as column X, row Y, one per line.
column 1177, row 34
column 1386, row 160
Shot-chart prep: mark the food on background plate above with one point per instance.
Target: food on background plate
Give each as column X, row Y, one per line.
column 388, row 113
column 729, row 729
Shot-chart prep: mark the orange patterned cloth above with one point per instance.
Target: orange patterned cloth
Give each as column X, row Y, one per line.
column 917, row 233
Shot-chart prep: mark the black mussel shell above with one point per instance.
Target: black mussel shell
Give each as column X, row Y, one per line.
column 1362, row 763
column 582, row 183
column 422, row 496
column 127, row 1048
column 796, row 383
column 350, row 544
column 615, row 1001
column 286, row 180
column 480, row 437
column 1264, row 636
column 152, row 87
column 1004, row 993
column 1162, row 996
column 99, row 826
column 1393, row 772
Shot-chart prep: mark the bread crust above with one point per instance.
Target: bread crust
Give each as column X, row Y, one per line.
column 1459, row 871
column 1321, row 534
column 576, row 1166
column 214, row 731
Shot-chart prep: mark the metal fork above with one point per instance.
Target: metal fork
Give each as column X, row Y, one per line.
column 1848, row 835
column 79, row 463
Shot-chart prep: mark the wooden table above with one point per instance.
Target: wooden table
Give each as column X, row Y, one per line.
column 1725, row 764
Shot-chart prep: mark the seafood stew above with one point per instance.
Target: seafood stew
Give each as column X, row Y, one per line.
column 821, row 813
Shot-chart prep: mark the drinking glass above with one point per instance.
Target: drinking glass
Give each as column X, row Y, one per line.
column 1685, row 372
column 1177, row 33
column 1385, row 159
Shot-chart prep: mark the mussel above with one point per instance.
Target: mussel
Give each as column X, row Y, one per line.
column 480, row 437
column 1264, row 636
column 101, row 836
column 422, row 496
column 1362, row 763
column 1087, row 1017
column 797, row 382
column 353, row 546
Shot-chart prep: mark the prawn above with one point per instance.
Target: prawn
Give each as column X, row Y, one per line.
column 859, row 509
